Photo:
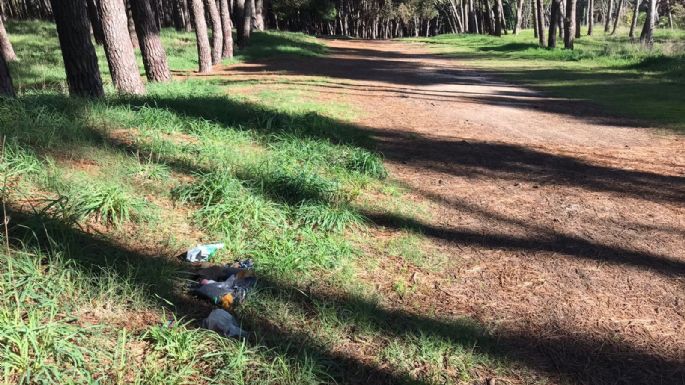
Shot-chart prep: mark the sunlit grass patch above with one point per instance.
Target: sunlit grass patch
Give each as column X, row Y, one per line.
column 610, row 70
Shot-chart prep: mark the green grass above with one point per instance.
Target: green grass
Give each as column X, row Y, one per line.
column 102, row 195
column 610, row 71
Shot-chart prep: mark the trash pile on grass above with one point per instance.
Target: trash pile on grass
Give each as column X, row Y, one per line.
column 224, row 286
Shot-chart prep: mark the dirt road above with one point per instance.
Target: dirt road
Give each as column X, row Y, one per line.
column 564, row 228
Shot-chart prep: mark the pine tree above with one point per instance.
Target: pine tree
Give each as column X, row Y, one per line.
column 154, row 56
column 118, row 48
column 78, row 52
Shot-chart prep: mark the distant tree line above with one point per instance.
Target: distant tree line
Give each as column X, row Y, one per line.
column 122, row 26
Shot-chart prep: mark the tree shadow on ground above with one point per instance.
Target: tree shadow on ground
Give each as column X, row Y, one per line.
column 576, row 357
column 567, row 354
column 656, row 98
column 509, row 47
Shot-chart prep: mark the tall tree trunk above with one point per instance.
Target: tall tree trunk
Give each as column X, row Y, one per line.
column 579, row 17
column 610, row 14
column 619, row 9
column 590, row 16
column 633, row 23
column 6, row 87
column 258, row 15
column 239, row 17
column 6, row 49
column 519, row 15
column 154, row 56
column 569, row 24
column 555, row 14
column 204, row 53
column 498, row 17
column 130, row 24
column 647, row 35
column 178, row 13
column 95, row 22
column 245, row 24
column 541, row 22
column 217, row 30
column 227, row 27
column 533, row 9
column 118, row 48
column 78, row 52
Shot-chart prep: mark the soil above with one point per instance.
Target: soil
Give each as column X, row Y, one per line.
column 564, row 226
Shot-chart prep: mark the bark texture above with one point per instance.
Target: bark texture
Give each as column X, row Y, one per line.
column 647, row 35
column 118, row 48
column 131, row 25
column 555, row 15
column 570, row 24
column 258, row 16
column 204, row 53
column 590, row 16
column 217, row 31
column 519, row 15
column 154, row 56
column 78, row 52
column 6, row 49
column 95, row 22
column 227, row 27
column 6, row 87
column 539, row 10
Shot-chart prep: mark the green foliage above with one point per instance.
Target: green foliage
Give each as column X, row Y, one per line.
column 277, row 179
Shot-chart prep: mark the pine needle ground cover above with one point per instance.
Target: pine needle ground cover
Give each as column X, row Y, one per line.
column 101, row 196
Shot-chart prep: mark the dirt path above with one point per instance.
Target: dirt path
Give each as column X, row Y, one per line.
column 564, row 228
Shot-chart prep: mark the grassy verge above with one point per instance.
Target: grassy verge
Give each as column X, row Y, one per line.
column 610, row 71
column 102, row 195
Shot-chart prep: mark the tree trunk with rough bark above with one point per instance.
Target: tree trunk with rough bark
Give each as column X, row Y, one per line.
column 258, row 16
column 519, row 15
column 245, row 24
column 647, row 35
column 6, row 87
column 497, row 17
column 130, row 24
column 6, row 49
column 570, row 24
column 118, row 48
column 78, row 52
column 95, row 23
column 555, row 14
column 204, row 52
column 154, row 56
column 227, row 27
column 540, row 22
column 217, row 30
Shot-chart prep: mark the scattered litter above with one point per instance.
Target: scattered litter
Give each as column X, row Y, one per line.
column 224, row 323
column 225, row 286
column 229, row 292
column 201, row 253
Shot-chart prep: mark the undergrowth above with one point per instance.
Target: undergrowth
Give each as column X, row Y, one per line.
column 100, row 195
